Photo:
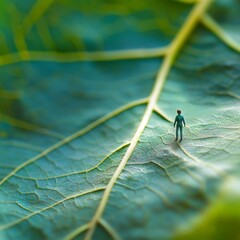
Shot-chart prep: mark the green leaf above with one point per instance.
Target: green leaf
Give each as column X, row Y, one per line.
column 88, row 93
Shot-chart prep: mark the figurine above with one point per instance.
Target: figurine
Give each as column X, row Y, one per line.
column 179, row 120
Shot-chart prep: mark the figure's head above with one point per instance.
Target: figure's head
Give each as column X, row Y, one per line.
column 179, row 111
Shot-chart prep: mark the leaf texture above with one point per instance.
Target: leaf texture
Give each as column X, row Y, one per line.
column 88, row 93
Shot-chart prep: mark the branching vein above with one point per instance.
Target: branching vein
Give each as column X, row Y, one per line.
column 49, row 207
column 82, row 56
column 80, row 172
column 74, row 136
column 29, row 126
column 210, row 23
column 36, row 12
column 173, row 50
column 109, row 229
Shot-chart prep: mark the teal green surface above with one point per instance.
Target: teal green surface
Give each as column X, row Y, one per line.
column 165, row 186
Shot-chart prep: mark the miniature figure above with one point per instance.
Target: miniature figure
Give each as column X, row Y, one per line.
column 179, row 120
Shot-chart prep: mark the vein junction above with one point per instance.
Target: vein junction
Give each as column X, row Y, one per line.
column 173, row 50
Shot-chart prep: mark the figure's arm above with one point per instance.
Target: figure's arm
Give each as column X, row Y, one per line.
column 175, row 121
column 184, row 122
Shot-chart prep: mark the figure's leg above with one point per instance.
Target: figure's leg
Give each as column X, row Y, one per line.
column 180, row 133
column 176, row 133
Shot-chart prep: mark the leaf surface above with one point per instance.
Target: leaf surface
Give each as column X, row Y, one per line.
column 76, row 80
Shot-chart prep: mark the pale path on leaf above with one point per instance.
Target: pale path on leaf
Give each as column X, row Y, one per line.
column 173, row 50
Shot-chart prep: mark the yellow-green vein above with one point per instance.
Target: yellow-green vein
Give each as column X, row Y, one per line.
column 19, row 38
column 173, row 50
column 109, row 229
column 75, row 135
column 162, row 114
column 82, row 56
column 36, row 12
column 210, row 23
column 200, row 162
column 29, row 126
column 80, row 172
column 49, row 207
column 77, row 232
